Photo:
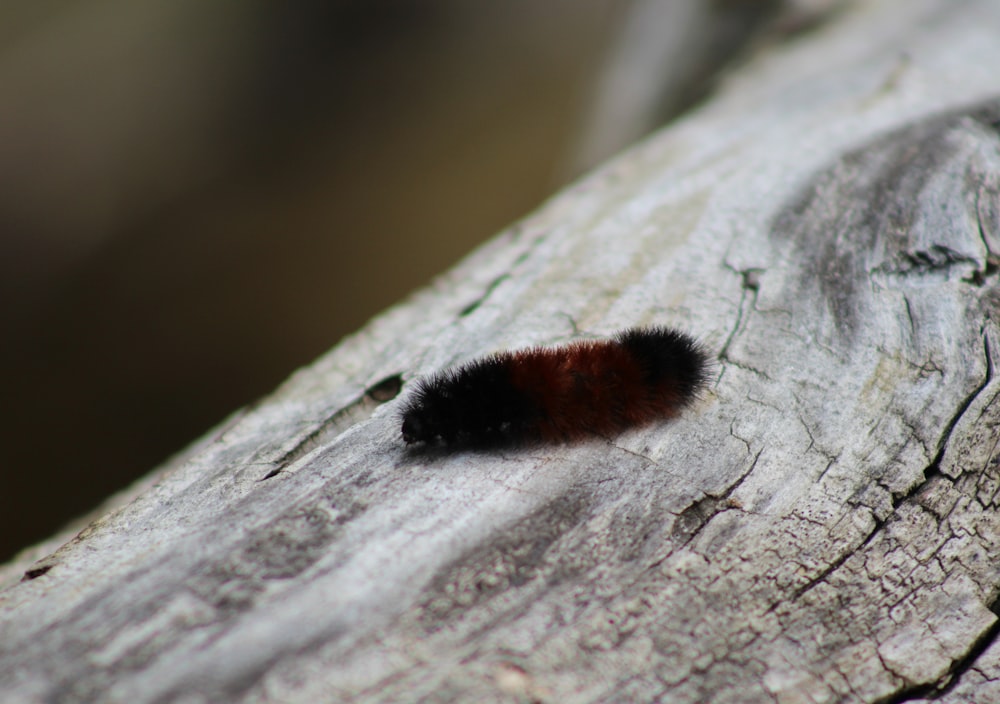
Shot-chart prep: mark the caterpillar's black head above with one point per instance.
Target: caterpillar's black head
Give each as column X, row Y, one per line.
column 473, row 406
column 415, row 428
column 425, row 415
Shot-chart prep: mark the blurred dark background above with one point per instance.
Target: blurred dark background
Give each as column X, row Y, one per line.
column 199, row 196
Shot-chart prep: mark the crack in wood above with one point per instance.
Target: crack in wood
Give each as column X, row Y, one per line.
column 750, row 285
column 490, row 288
column 354, row 412
column 952, row 678
column 695, row 517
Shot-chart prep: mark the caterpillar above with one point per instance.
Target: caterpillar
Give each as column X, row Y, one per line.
column 558, row 394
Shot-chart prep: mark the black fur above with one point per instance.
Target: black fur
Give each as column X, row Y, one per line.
column 667, row 352
column 474, row 405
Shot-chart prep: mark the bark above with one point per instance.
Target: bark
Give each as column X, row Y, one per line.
column 821, row 526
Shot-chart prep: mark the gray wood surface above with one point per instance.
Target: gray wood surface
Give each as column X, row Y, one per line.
column 821, row 526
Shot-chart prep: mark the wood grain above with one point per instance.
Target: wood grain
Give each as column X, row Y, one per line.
column 821, row 526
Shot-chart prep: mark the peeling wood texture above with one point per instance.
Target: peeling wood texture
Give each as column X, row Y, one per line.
column 821, row 526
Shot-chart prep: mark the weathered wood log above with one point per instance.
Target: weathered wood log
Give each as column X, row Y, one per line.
column 821, row 526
